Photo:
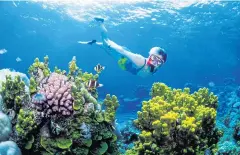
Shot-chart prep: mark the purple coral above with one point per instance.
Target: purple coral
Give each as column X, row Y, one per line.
column 54, row 96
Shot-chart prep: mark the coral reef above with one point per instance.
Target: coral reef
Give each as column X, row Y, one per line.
column 177, row 122
column 59, row 114
column 228, row 118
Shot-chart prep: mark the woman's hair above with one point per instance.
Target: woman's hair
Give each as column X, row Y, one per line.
column 159, row 51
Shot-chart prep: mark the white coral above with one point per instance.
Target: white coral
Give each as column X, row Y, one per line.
column 86, row 133
column 1, row 102
column 9, row 148
column 5, row 127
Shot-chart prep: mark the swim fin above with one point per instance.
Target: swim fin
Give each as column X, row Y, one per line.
column 99, row 19
column 87, row 42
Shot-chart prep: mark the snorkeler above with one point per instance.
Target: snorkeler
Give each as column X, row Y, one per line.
column 134, row 63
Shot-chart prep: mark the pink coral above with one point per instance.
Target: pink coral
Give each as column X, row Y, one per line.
column 54, row 96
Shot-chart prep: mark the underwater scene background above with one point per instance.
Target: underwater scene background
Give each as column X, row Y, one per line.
column 129, row 114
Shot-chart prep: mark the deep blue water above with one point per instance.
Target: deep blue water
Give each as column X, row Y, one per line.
column 202, row 41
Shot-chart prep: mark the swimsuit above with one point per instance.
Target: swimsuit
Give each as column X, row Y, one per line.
column 127, row 65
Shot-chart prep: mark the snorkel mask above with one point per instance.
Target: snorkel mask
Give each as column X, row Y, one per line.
column 155, row 60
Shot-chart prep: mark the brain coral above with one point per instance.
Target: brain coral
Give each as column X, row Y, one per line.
column 54, row 96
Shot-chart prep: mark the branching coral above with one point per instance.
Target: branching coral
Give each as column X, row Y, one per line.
column 13, row 95
column 111, row 104
column 25, row 122
column 39, row 69
column 175, row 121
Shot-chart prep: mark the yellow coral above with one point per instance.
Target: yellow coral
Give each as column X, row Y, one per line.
column 175, row 109
column 170, row 116
column 189, row 123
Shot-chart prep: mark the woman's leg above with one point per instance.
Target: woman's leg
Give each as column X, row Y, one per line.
column 104, row 35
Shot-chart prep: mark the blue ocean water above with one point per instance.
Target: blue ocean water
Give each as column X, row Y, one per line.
column 202, row 40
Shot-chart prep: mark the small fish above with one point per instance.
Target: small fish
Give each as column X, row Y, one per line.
column 93, row 84
column 99, row 68
column 18, row 59
column 74, row 58
column 211, row 84
column 2, row 51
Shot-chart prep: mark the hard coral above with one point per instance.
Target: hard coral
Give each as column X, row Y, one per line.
column 9, row 148
column 25, row 123
column 175, row 121
column 5, row 127
column 55, row 96
column 13, row 94
column 111, row 104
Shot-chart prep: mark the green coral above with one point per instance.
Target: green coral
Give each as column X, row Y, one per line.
column 78, row 103
column 54, row 145
column 33, row 86
column 99, row 117
column 48, row 144
column 81, row 151
column 13, row 93
column 86, row 77
column 102, row 149
column 111, row 104
column 29, row 143
column 175, row 121
column 87, row 142
column 37, row 67
column 59, row 71
column 64, row 143
column 73, row 69
column 25, row 122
